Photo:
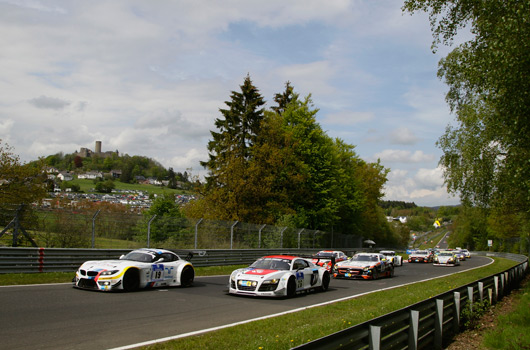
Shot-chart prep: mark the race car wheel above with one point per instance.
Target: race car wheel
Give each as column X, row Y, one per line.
column 325, row 281
column 391, row 274
column 187, row 276
column 131, row 280
column 375, row 274
column 291, row 287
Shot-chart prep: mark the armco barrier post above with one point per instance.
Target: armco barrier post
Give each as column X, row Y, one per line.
column 414, row 320
column 456, row 311
column 375, row 337
column 41, row 259
column 438, row 325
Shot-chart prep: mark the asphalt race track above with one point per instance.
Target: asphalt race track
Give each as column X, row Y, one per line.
column 57, row 316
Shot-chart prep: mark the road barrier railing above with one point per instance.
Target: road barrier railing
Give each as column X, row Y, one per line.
column 429, row 324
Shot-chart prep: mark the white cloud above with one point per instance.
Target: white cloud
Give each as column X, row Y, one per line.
column 403, row 136
column 425, row 188
column 49, row 102
column 402, row 156
column 149, row 79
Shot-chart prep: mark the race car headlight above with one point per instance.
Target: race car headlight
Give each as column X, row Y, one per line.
column 366, row 269
column 247, row 283
column 109, row 272
column 273, row 281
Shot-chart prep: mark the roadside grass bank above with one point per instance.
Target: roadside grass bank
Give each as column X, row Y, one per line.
column 511, row 330
column 10, row 279
column 287, row 331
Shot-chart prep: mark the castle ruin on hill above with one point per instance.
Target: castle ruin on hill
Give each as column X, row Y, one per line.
column 87, row 153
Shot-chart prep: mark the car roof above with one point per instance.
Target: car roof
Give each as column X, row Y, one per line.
column 152, row 251
column 286, row 257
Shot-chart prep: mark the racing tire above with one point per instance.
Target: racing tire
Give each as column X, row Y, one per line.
column 131, row 280
column 186, row 276
column 375, row 274
column 291, row 288
column 325, row 281
column 391, row 274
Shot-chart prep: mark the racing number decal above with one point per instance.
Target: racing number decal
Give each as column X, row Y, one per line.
column 157, row 272
column 299, row 280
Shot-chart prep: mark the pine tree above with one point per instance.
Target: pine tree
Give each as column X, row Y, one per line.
column 237, row 130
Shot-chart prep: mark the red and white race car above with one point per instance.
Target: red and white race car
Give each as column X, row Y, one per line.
column 365, row 266
column 278, row 276
column 423, row 256
column 323, row 258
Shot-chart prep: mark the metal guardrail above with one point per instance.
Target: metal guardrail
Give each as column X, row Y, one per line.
column 430, row 323
column 33, row 260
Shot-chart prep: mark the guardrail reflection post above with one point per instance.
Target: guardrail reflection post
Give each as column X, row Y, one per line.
column 94, row 228
column 149, row 231
column 375, row 337
column 413, row 329
column 456, row 314
column 470, row 297
column 439, row 323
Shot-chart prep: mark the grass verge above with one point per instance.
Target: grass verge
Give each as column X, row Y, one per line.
column 511, row 330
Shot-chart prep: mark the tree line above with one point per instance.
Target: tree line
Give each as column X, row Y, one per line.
column 278, row 166
column 486, row 154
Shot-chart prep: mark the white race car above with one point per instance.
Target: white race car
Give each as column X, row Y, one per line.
column 446, row 258
column 141, row 268
column 391, row 255
column 278, row 276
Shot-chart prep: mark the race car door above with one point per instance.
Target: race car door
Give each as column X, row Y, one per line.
column 305, row 275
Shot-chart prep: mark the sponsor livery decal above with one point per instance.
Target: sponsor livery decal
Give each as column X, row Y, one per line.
column 259, row 272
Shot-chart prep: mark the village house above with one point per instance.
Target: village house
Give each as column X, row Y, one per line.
column 91, row 175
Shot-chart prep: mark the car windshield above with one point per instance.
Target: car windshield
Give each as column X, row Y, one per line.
column 364, row 258
column 139, row 256
column 388, row 253
column 446, row 254
column 325, row 254
column 271, row 264
column 421, row 252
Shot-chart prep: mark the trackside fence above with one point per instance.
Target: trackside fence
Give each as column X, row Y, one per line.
column 429, row 324
column 30, row 260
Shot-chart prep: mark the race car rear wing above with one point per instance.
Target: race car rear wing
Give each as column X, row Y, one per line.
column 318, row 258
column 192, row 253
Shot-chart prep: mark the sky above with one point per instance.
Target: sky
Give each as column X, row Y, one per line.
column 148, row 78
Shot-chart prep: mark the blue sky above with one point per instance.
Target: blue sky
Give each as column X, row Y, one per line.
column 148, row 78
